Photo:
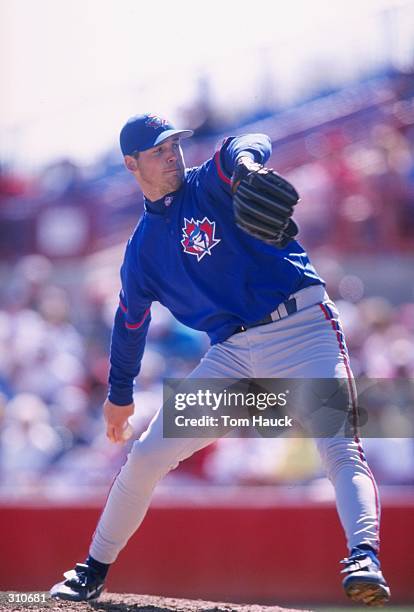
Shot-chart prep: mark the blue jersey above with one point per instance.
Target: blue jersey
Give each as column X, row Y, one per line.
column 188, row 254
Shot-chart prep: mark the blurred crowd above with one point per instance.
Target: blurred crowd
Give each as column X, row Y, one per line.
column 54, row 339
column 350, row 154
column 61, row 242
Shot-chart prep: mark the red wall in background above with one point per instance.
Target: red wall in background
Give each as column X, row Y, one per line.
column 285, row 553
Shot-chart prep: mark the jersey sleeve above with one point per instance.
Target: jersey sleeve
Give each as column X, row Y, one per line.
column 129, row 332
column 256, row 146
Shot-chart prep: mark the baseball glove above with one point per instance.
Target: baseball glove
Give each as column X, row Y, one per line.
column 263, row 203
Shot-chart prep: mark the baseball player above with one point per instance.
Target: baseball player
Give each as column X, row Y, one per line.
column 216, row 246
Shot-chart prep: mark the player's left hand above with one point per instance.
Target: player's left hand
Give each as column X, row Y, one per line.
column 263, row 203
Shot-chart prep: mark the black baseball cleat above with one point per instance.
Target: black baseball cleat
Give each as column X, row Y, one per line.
column 364, row 581
column 82, row 584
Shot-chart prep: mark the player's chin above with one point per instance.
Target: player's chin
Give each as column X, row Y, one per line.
column 173, row 181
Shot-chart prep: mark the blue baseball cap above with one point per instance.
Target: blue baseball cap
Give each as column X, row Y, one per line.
column 142, row 132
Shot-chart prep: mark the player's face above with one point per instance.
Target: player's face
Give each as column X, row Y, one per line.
column 160, row 170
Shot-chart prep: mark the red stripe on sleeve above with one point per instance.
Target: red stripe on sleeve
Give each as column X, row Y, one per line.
column 138, row 325
column 220, row 170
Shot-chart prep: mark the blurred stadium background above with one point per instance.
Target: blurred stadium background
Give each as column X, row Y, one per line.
column 333, row 86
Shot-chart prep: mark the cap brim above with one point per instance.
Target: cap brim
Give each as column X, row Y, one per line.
column 168, row 133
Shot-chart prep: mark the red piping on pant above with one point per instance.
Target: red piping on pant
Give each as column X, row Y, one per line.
column 343, row 350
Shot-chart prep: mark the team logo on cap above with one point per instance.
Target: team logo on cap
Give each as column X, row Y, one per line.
column 154, row 121
column 198, row 237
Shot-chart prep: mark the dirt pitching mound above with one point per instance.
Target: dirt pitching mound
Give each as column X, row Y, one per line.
column 118, row 602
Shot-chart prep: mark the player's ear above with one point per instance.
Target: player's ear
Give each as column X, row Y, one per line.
column 131, row 163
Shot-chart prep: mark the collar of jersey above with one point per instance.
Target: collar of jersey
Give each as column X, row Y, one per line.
column 158, row 207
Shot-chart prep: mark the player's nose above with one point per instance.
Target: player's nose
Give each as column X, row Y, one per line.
column 172, row 153
column 172, row 156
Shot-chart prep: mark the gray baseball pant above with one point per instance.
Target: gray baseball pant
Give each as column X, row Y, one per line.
column 308, row 344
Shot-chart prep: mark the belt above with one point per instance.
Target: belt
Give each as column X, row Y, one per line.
column 304, row 298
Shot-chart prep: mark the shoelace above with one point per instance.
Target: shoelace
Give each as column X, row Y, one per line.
column 356, row 562
column 82, row 576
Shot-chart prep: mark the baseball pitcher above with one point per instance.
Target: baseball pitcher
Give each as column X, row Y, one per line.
column 216, row 245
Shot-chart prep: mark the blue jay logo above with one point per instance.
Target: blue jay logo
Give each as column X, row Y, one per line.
column 198, row 237
column 155, row 122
